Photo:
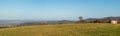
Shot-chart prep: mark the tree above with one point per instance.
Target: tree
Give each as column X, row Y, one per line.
column 81, row 19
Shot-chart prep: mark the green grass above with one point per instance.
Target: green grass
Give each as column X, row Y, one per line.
column 89, row 29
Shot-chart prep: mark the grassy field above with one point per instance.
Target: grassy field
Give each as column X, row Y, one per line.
column 89, row 29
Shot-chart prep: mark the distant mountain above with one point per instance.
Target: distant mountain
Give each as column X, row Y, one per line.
column 106, row 18
column 112, row 18
column 91, row 19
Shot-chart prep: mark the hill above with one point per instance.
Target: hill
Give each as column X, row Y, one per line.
column 106, row 18
column 86, row 29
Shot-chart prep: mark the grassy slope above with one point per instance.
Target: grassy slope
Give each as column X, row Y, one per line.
column 64, row 30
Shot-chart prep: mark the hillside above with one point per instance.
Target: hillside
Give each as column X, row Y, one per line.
column 64, row 30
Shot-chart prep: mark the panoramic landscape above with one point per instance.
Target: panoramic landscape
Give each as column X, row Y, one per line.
column 59, row 17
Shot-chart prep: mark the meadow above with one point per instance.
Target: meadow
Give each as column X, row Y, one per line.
column 80, row 29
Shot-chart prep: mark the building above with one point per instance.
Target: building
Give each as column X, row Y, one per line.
column 114, row 21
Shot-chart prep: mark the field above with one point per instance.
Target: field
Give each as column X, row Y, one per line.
column 85, row 29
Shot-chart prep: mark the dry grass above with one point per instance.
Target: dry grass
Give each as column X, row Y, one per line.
column 86, row 29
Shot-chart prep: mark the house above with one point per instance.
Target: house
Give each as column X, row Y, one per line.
column 114, row 21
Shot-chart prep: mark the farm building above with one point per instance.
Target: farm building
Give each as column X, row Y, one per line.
column 114, row 21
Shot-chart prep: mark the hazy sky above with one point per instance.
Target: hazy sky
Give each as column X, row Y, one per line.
column 58, row 9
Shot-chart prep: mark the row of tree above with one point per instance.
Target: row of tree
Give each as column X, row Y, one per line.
column 108, row 20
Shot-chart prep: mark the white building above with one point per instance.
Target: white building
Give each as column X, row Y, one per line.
column 114, row 21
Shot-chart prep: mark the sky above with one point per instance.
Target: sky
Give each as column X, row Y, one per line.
column 58, row 9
